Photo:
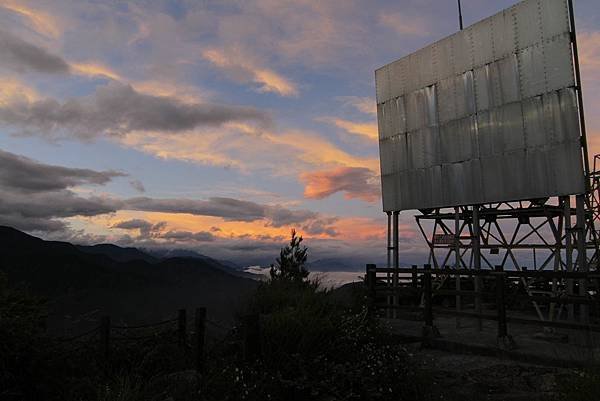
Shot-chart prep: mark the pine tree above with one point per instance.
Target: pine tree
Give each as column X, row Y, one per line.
column 290, row 263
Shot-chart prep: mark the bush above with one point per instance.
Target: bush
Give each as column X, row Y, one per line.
column 314, row 349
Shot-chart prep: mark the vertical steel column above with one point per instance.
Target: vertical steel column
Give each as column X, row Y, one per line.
column 581, row 253
column 389, row 298
column 566, row 201
column 477, row 262
column 586, row 161
column 457, row 262
column 396, row 240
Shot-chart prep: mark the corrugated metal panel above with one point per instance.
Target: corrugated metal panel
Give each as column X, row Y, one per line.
column 535, row 129
column 464, row 95
column 461, row 49
column 416, row 150
column 558, row 63
column 503, row 36
column 431, row 146
column 555, row 17
column 435, row 185
column 481, row 35
column 490, row 112
column 398, row 72
column 568, row 116
column 512, row 126
column 483, row 88
column 529, row 23
column 444, row 59
column 508, row 80
column 389, row 184
column 458, row 140
column 382, row 84
column 531, row 70
column 446, row 100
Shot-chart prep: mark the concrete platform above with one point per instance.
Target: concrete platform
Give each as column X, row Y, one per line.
column 531, row 344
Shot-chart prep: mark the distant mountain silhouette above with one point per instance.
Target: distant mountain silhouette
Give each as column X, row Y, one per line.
column 118, row 253
column 186, row 253
column 83, row 283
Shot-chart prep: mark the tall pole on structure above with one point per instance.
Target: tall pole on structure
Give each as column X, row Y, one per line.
column 586, row 162
column 460, row 21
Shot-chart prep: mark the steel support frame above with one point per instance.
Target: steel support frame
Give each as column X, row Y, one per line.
column 541, row 234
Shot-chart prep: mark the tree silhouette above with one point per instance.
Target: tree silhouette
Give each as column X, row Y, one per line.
column 289, row 265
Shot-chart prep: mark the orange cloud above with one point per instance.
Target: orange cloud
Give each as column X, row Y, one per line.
column 12, row 89
column 242, row 69
column 39, row 21
column 366, row 105
column 95, row 70
column 354, row 182
column 367, row 130
column 589, row 55
column 244, row 147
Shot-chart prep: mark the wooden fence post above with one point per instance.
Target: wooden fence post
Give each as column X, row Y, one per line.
column 504, row 340
column 200, row 329
column 181, row 328
column 428, row 297
column 415, row 277
column 252, row 337
column 105, row 341
column 371, row 281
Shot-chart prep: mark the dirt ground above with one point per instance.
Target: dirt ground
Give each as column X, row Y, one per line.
column 473, row 377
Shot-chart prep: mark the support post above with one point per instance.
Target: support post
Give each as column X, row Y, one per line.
column 389, row 298
column 429, row 330
column 581, row 254
column 415, row 276
column 427, row 287
column 566, row 201
column 504, row 340
column 477, row 263
column 181, row 328
column 200, row 329
column 396, row 239
column 457, row 262
column 105, row 341
column 371, row 281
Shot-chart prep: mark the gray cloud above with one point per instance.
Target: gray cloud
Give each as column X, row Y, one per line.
column 188, row 236
column 137, row 185
column 34, row 196
column 117, row 109
column 23, row 174
column 22, row 56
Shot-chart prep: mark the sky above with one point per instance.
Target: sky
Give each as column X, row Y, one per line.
column 216, row 125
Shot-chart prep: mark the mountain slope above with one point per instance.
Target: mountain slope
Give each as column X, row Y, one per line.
column 81, row 286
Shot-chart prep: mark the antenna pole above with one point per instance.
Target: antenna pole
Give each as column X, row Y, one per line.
column 460, row 21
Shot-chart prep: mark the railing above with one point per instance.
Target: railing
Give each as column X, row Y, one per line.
column 416, row 286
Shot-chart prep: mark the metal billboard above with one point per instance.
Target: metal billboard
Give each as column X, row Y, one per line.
column 488, row 114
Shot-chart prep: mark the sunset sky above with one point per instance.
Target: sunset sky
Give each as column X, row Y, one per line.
column 215, row 125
